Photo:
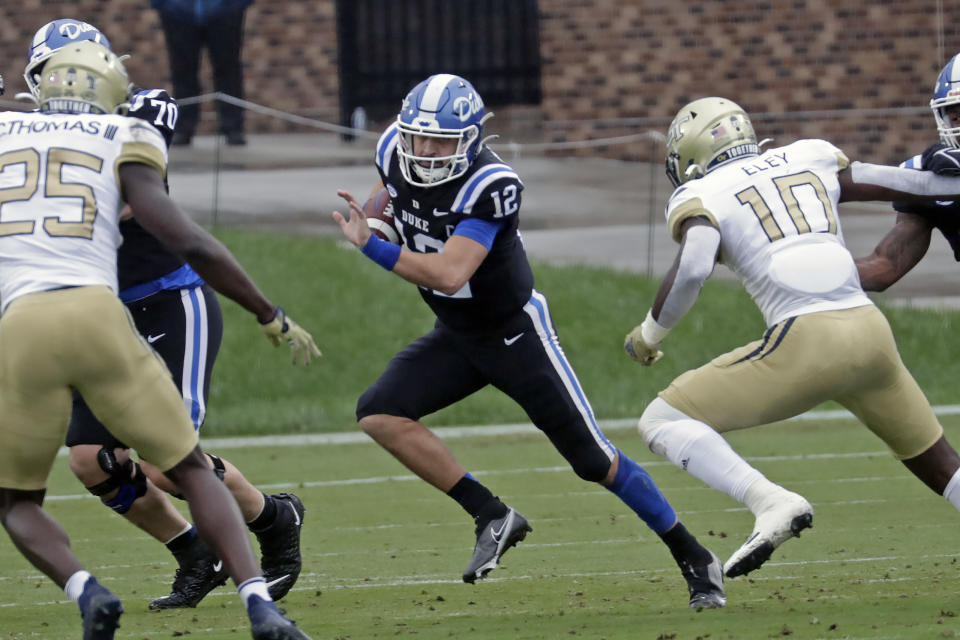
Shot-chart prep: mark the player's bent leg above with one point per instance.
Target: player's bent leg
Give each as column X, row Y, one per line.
column 278, row 531
column 498, row 527
column 699, row 566
column 695, row 447
column 276, row 521
column 418, row 448
column 37, row 535
column 42, row 541
column 216, row 514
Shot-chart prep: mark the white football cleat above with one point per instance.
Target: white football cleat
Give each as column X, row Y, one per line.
column 786, row 516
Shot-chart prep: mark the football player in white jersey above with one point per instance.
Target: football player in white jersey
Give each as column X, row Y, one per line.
column 180, row 316
column 771, row 217
column 65, row 173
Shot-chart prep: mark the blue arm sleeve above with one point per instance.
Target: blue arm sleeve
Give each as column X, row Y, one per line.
column 483, row 231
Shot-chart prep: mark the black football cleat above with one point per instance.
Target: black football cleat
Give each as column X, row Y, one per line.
column 199, row 573
column 100, row 610
column 280, row 557
column 493, row 540
column 705, row 584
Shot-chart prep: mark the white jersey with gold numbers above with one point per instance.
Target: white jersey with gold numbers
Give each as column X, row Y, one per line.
column 60, row 197
column 779, row 229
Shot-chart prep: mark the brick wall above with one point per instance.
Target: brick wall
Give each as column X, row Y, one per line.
column 616, row 59
column 289, row 55
column 610, row 67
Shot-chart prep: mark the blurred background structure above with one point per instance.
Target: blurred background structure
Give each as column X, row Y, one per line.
column 857, row 72
column 583, row 91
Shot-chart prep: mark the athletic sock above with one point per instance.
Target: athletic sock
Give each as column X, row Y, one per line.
column 471, row 495
column 75, row 585
column 267, row 515
column 638, row 491
column 685, row 548
column 182, row 541
column 254, row 587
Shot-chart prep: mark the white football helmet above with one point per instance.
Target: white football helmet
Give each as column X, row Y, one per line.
column 706, row 134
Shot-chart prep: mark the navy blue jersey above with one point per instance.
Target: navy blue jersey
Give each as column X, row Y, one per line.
column 942, row 214
column 142, row 258
column 426, row 217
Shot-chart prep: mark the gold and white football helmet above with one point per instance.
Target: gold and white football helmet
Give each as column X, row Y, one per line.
column 706, row 134
column 83, row 77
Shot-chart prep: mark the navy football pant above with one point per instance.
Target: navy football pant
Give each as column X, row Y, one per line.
column 522, row 357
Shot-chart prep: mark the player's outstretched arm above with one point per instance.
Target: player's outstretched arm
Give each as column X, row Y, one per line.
column 863, row 181
column 898, row 252
column 144, row 191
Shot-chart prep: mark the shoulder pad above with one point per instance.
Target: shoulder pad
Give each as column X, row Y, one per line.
column 156, row 107
column 386, row 146
column 480, row 181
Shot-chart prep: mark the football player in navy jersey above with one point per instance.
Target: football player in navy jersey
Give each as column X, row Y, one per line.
column 180, row 317
column 456, row 207
column 906, row 244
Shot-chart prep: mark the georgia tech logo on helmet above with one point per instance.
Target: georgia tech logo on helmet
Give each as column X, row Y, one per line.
column 676, row 130
column 466, row 106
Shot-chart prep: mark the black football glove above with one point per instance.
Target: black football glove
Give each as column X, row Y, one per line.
column 941, row 159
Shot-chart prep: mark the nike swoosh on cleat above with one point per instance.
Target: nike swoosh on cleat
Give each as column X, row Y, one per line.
column 496, row 535
column 296, row 516
column 218, row 566
column 278, row 580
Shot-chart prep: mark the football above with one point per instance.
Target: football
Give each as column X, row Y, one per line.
column 379, row 212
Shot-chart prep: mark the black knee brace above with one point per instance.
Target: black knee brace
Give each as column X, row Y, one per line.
column 218, row 466
column 127, row 479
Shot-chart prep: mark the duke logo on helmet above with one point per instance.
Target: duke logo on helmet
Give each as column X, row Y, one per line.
column 49, row 38
column 447, row 108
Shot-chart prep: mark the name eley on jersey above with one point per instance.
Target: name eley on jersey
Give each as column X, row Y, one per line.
column 771, row 161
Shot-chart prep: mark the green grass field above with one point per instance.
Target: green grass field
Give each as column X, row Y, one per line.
column 383, row 552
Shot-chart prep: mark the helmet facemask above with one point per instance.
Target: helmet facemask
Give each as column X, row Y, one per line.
column 946, row 94
column 427, row 171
